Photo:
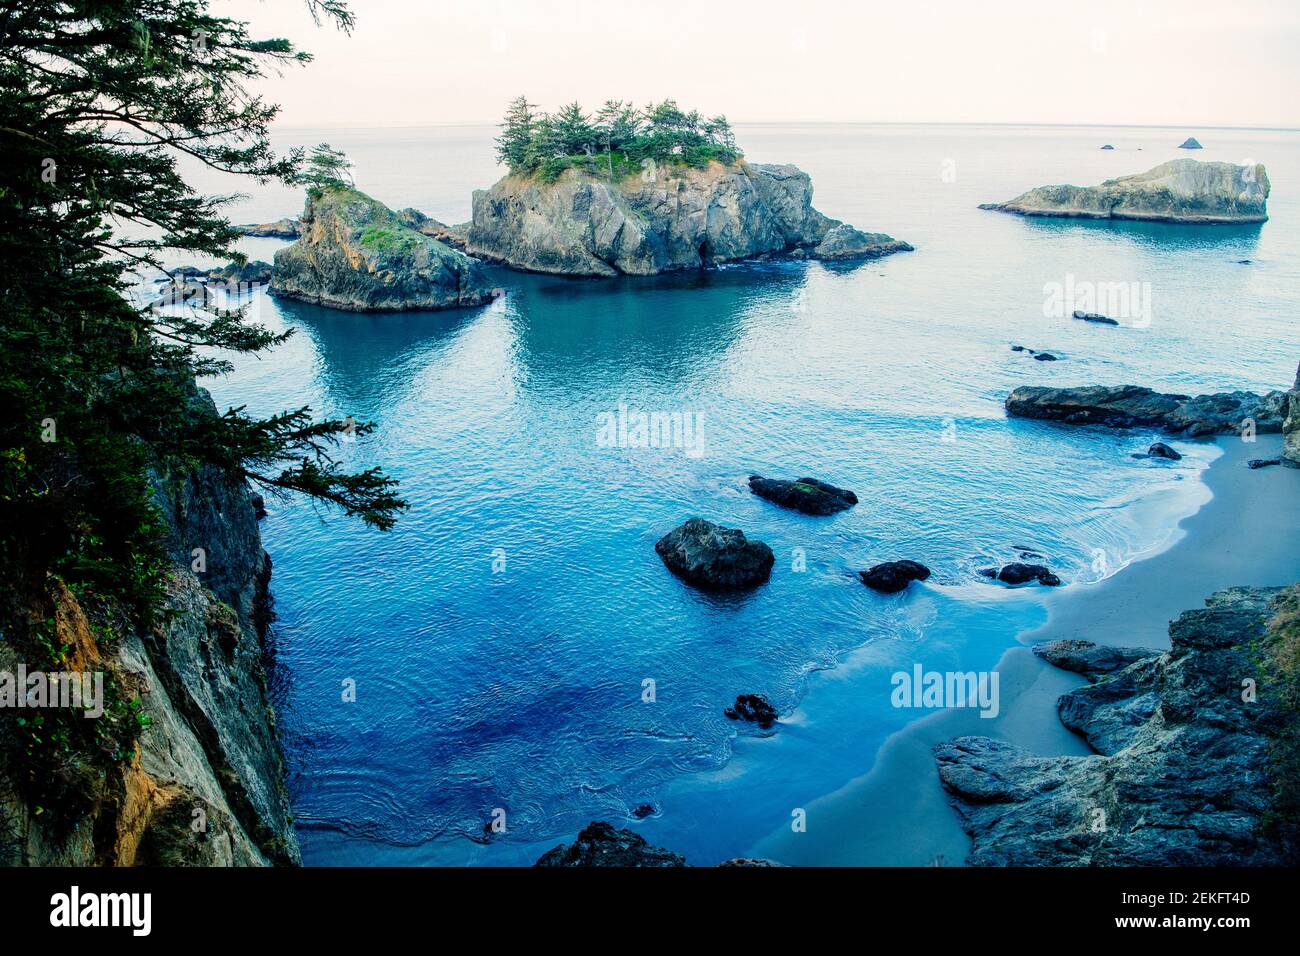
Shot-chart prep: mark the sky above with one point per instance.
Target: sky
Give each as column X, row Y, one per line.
column 426, row 62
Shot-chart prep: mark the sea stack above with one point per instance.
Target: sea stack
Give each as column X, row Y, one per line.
column 357, row 254
column 1189, row 143
column 1181, row 190
column 664, row 218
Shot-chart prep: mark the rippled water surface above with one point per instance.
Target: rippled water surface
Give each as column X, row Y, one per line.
column 501, row 638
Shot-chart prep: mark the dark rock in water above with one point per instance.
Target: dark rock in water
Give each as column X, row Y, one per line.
column 641, row 811
column 259, row 505
column 1021, row 348
column 1089, row 659
column 600, row 844
column 893, row 576
column 1108, row 146
column 808, row 495
column 1263, row 462
column 358, row 255
column 1128, row 406
column 1243, row 262
column 254, row 270
column 1019, row 573
column 845, row 242
column 1186, row 770
column 188, row 272
column 280, row 229
column 713, row 557
column 754, row 708
column 1094, row 317
column 1161, row 450
column 1190, row 143
column 1044, row 357
column 748, row 861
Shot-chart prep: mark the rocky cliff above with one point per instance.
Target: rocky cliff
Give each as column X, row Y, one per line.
column 1195, row 751
column 1291, row 425
column 203, row 784
column 666, row 218
column 355, row 253
column 1182, row 190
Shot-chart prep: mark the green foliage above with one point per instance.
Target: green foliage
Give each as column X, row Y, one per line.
column 619, row 135
column 98, row 100
column 326, row 168
column 1278, row 657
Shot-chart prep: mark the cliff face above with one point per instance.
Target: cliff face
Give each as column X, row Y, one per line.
column 1291, row 426
column 1182, row 190
column 667, row 218
column 355, row 253
column 205, row 784
column 1195, row 752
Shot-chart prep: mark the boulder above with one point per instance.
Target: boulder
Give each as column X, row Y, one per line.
column 893, row 576
column 1256, row 463
column 845, row 242
column 250, row 272
column 357, row 254
column 280, row 229
column 1161, row 450
column 1187, row 770
column 1093, row 317
column 1181, row 190
column 666, row 218
column 1019, row 573
column 600, row 844
column 1089, row 659
column 1129, row 406
column 808, row 495
column 715, row 558
column 754, row 708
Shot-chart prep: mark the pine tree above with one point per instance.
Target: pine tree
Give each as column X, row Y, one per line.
column 326, row 168
column 514, row 145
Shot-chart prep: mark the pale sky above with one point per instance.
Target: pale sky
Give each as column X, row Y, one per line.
column 422, row 62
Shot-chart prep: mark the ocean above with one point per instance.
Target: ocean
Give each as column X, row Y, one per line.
column 518, row 651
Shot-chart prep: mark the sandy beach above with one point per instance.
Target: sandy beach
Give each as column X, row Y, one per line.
column 897, row 813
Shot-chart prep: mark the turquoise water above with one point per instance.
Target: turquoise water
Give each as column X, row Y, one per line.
column 500, row 637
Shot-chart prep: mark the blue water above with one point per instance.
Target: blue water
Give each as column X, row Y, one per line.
column 500, row 637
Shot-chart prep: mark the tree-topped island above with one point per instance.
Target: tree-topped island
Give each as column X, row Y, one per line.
column 640, row 192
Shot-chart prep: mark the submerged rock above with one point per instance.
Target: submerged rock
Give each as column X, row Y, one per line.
column 1187, row 770
column 715, row 558
column 893, row 576
column 672, row 218
column 280, row 229
column 1019, row 573
column 600, row 844
column 808, row 495
column 1181, row 190
column 754, row 708
column 1128, row 406
column 357, row 254
column 1255, row 463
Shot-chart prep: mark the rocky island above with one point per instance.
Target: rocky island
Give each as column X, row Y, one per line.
column 641, row 193
column 1182, row 190
column 357, row 254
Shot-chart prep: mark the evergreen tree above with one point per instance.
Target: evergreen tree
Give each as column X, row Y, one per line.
column 514, row 145
column 326, row 168
column 573, row 131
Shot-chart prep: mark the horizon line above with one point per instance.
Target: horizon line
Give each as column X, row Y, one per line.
column 787, row 122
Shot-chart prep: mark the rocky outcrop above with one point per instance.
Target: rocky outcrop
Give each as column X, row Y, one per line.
column 280, row 229
column 1160, row 450
column 357, row 254
column 808, row 495
column 252, row 271
column 600, row 844
column 1089, row 659
column 893, row 576
column 454, row 236
column 1129, row 406
column 1187, row 771
column 1189, row 143
column 1291, row 425
column 1181, row 190
column 204, row 783
column 715, row 558
column 668, row 218
column 754, row 709
column 1017, row 573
